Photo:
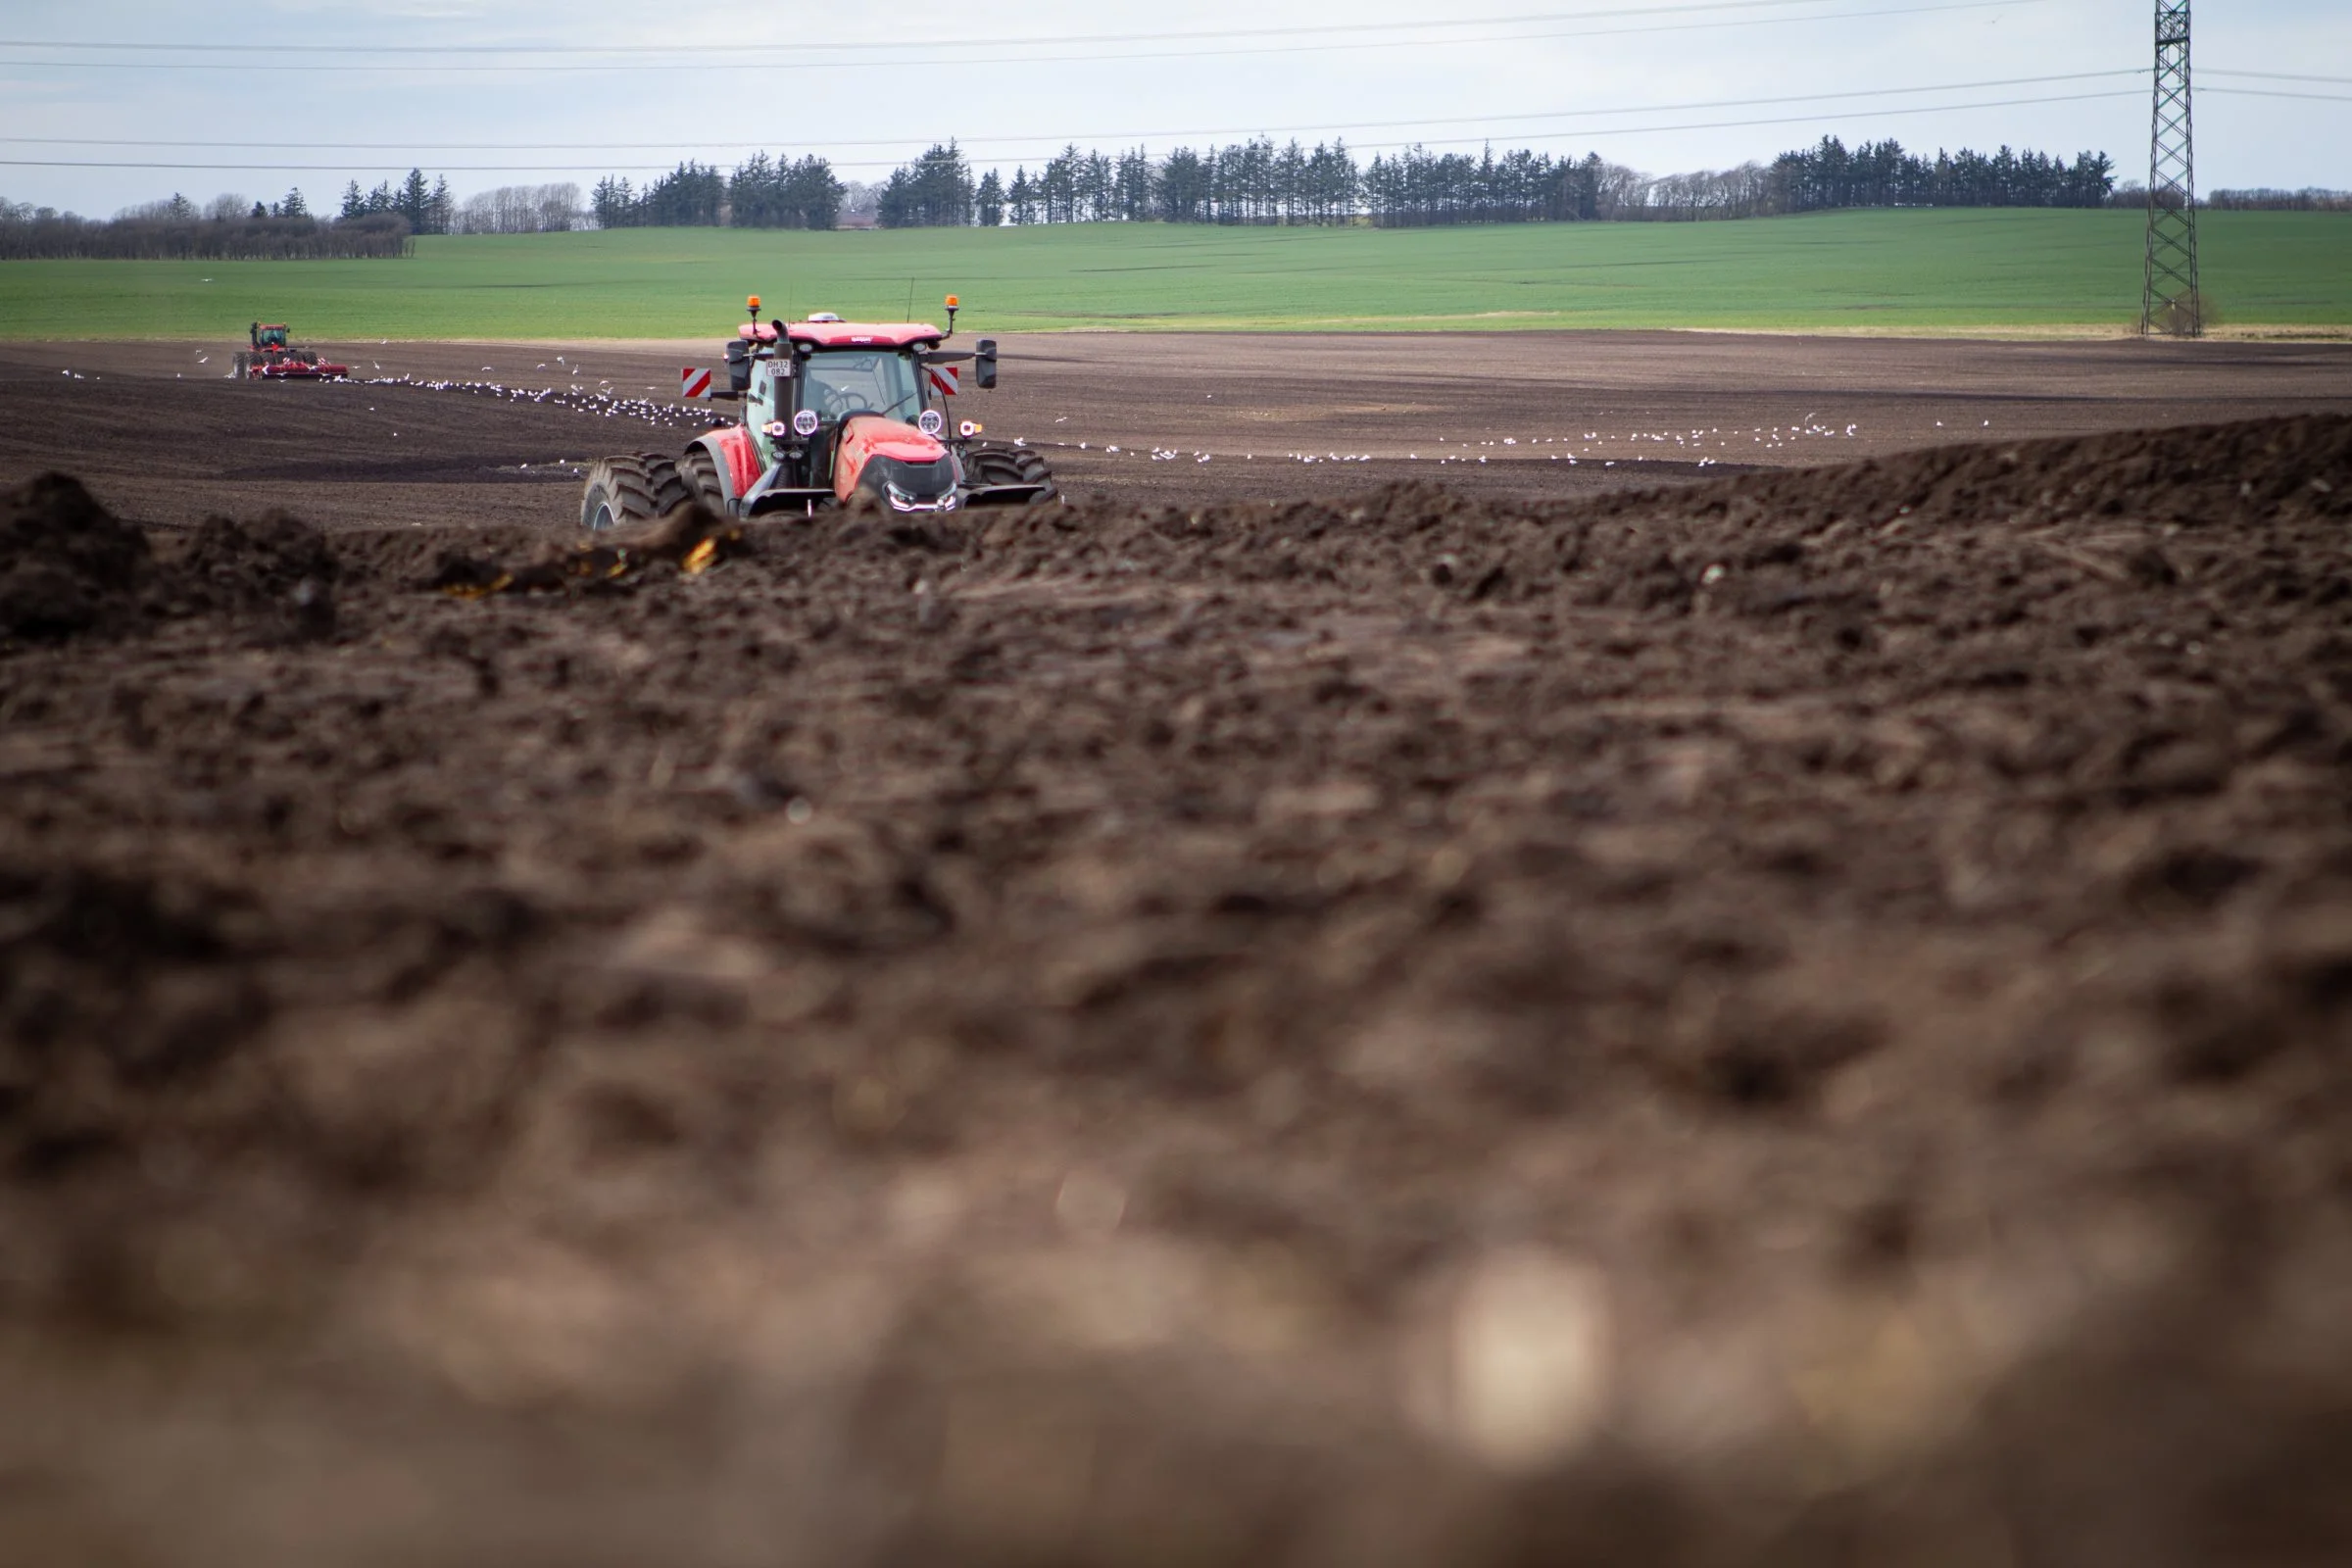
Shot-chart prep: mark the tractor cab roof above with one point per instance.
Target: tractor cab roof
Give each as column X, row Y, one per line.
column 821, row 333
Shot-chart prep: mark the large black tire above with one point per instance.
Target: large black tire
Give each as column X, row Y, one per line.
column 1002, row 462
column 243, row 359
column 700, row 470
column 637, row 487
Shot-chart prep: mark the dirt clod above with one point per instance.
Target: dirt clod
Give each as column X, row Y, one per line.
column 67, row 566
column 276, row 573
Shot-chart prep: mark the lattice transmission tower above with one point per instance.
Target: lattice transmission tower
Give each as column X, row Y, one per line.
column 2169, row 299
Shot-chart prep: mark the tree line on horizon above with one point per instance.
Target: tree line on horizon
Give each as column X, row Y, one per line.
column 1260, row 182
column 232, row 228
column 1250, row 182
column 228, row 228
column 761, row 193
column 381, row 222
column 425, row 209
column 2310, row 199
column 553, row 209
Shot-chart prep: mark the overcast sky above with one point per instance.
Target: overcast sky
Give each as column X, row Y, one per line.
column 457, row 85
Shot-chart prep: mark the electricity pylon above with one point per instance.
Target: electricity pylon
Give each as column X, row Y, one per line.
column 2169, row 299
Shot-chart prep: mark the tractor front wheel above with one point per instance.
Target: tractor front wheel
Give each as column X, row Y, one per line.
column 637, row 487
column 700, row 470
column 1002, row 462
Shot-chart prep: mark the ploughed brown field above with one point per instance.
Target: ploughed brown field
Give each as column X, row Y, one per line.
column 1349, row 1012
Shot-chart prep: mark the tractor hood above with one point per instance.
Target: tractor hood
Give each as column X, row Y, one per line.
column 870, row 435
column 897, row 463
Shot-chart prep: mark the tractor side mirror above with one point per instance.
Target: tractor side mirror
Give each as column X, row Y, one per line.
column 984, row 363
column 739, row 366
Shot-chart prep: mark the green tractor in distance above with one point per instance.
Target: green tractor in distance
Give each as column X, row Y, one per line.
column 272, row 358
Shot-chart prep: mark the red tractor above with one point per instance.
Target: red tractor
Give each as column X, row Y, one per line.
column 831, row 410
column 273, row 358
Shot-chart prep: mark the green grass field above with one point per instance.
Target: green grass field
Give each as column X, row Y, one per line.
column 1953, row 271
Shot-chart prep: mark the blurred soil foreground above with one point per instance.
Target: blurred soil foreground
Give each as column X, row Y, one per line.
column 1795, row 1020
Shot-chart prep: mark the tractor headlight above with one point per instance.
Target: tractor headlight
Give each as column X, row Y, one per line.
column 902, row 500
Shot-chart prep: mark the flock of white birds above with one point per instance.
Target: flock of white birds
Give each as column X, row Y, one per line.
column 1699, row 445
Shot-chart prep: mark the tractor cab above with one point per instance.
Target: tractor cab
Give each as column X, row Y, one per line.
column 268, row 337
column 803, row 398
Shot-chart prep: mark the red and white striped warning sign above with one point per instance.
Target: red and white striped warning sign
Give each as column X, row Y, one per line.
column 693, row 383
column 945, row 378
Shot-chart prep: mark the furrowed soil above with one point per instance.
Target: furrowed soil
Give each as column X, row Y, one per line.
column 1792, row 1017
column 503, row 432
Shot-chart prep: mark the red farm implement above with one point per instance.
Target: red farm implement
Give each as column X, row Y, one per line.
column 272, row 358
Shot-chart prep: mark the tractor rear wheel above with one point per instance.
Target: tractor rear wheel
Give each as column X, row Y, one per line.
column 636, row 487
column 243, row 359
column 700, row 470
column 1002, row 462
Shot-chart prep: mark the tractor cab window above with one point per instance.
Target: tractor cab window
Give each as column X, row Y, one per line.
column 846, row 381
column 274, row 337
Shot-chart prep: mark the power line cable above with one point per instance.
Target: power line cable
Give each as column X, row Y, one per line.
column 1453, row 38
column 801, row 47
column 2264, row 92
column 1551, row 135
column 1110, row 136
column 2272, row 75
